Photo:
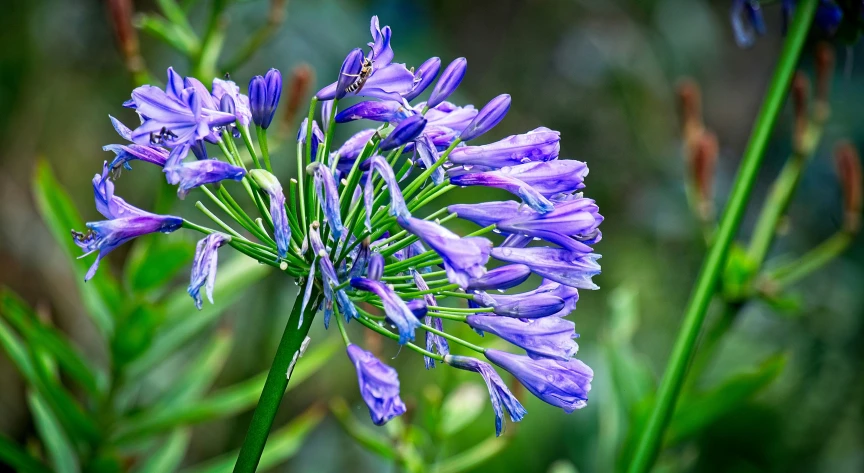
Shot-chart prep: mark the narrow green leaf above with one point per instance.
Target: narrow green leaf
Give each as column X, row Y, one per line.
column 282, row 445
column 368, row 438
column 166, row 458
column 17, row 352
column 183, row 321
column 461, row 408
column 473, row 457
column 13, row 455
column 224, row 402
column 60, row 451
column 68, row 357
column 694, row 414
column 155, row 260
column 201, row 372
column 168, row 33
column 101, row 296
column 76, row 424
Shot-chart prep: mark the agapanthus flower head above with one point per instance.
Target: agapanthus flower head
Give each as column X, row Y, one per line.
column 360, row 227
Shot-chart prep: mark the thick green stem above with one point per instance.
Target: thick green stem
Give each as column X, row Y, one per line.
column 274, row 387
column 670, row 386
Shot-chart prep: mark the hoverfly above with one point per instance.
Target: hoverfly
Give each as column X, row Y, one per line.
column 159, row 138
column 365, row 71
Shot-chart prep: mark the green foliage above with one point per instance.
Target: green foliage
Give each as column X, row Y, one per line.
column 95, row 418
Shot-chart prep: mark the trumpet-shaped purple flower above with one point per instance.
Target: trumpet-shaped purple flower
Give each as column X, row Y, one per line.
column 499, row 394
column 386, row 111
column 330, row 279
column 351, row 149
column 376, row 266
column 547, row 337
column 397, row 203
column 385, row 81
column 571, row 224
column 434, row 342
column 530, row 305
column 562, row 266
column 328, row 196
column 533, row 182
column 490, row 115
column 348, row 73
column 281, row 230
column 198, row 173
column 405, row 132
column 464, row 257
column 124, row 223
column 501, row 278
column 428, row 153
column 423, row 77
column 540, row 144
column 449, row 116
column 379, row 385
column 487, row 213
column 449, row 81
column 317, row 136
column 563, row 384
column 204, row 267
column 227, row 88
column 395, row 308
column 264, row 94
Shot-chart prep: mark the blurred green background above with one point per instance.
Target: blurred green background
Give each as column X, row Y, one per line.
column 601, row 72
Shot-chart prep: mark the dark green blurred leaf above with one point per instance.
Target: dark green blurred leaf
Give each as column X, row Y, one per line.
column 368, row 438
column 694, row 414
column 155, row 260
column 224, row 402
column 282, row 445
column 631, row 373
column 136, row 331
column 76, row 423
column 462, row 407
column 60, row 451
column 101, row 296
column 16, row 311
column 473, row 457
column 183, row 321
column 167, row 456
column 200, row 372
column 15, row 456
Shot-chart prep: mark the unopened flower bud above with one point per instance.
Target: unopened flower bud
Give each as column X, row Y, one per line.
column 449, row 81
column 264, row 93
column 425, row 75
column 490, row 115
column 405, row 132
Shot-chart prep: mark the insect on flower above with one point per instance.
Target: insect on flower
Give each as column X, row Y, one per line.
column 366, row 70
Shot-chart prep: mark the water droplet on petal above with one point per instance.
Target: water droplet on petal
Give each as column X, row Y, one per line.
column 506, row 251
column 467, row 167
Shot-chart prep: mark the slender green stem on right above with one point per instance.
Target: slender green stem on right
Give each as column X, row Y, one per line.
column 673, row 378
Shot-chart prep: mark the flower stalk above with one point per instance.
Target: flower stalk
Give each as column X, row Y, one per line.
column 694, row 315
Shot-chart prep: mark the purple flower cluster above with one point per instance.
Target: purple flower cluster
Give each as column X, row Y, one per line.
column 354, row 228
